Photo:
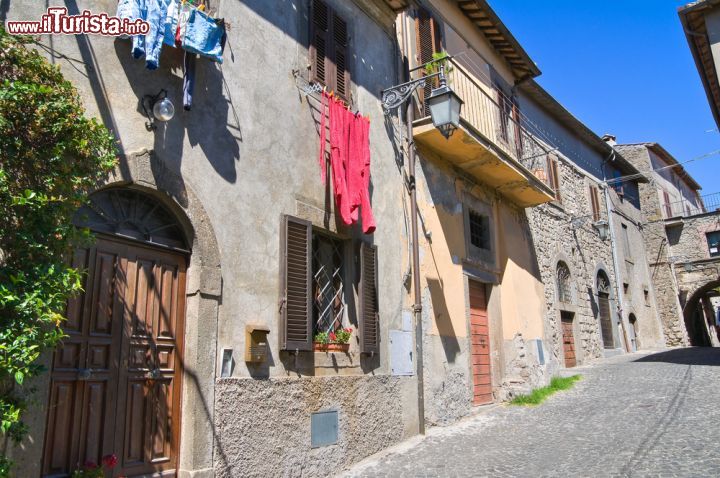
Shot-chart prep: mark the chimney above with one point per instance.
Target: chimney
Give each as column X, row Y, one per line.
column 609, row 139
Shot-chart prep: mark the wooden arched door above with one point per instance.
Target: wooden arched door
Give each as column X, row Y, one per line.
column 604, row 311
column 116, row 378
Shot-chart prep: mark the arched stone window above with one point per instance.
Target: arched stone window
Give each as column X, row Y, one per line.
column 564, row 287
column 134, row 215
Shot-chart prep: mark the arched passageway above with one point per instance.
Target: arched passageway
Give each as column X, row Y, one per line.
column 701, row 315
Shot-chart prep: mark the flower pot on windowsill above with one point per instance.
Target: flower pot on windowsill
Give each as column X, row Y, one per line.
column 320, row 347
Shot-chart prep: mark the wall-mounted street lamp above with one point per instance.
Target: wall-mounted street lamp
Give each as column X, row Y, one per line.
column 443, row 102
column 161, row 107
column 603, row 229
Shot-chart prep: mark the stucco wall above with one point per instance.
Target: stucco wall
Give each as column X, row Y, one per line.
column 263, row 426
column 248, row 152
column 514, row 291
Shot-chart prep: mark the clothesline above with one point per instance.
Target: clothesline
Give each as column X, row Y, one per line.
column 312, row 89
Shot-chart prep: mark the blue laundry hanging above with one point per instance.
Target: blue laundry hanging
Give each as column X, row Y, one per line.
column 156, row 16
column 134, row 10
column 205, row 36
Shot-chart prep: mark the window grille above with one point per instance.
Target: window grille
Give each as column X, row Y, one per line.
column 479, row 230
column 563, row 283
column 328, row 284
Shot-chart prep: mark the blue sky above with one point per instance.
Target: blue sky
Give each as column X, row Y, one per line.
column 622, row 67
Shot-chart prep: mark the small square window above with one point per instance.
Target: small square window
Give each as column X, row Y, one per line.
column 479, row 230
column 713, row 239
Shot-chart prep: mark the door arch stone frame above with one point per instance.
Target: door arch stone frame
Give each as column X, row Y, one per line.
column 601, row 267
column 145, row 171
column 571, row 307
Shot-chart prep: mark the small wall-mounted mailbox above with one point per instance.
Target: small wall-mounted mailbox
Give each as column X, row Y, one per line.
column 256, row 344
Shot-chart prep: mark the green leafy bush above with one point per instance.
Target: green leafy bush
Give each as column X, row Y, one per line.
column 51, row 155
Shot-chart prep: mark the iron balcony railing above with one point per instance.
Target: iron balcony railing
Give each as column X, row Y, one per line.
column 684, row 207
column 492, row 115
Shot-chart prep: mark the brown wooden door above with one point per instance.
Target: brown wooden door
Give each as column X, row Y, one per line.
column 605, row 320
column 115, row 381
column 480, row 344
column 568, row 339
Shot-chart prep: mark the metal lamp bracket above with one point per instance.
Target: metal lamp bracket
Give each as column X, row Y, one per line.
column 395, row 96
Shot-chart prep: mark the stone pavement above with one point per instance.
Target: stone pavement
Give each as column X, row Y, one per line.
column 634, row 415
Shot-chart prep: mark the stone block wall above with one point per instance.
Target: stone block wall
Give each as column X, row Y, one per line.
column 558, row 238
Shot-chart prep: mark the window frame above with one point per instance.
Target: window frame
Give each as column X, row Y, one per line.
column 554, row 176
column 484, row 258
column 296, row 295
column 710, row 244
column 333, row 49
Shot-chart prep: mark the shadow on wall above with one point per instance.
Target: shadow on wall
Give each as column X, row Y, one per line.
column 207, row 125
column 292, row 16
column 448, row 337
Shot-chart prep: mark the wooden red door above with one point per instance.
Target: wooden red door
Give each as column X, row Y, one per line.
column 568, row 339
column 115, row 383
column 480, row 344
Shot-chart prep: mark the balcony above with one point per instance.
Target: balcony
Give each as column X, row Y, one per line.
column 708, row 203
column 490, row 144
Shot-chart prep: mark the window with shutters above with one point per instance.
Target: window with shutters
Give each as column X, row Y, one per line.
column 428, row 42
column 595, row 203
column 554, row 178
column 329, row 55
column 328, row 288
column 316, row 278
column 667, row 206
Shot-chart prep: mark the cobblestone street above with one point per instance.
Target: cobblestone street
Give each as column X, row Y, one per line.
column 638, row 415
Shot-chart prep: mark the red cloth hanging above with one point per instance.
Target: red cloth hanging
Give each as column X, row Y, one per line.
column 339, row 139
column 368, row 220
column 349, row 162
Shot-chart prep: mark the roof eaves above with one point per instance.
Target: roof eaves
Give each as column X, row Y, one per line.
column 480, row 13
column 696, row 36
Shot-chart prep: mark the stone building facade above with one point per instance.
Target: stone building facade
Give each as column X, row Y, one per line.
column 235, row 183
column 677, row 231
column 226, row 175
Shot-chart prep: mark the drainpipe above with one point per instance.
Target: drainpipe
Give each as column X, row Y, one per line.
column 613, row 248
column 417, row 306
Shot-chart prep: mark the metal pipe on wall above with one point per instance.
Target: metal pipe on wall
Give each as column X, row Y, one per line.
column 417, row 304
column 616, row 264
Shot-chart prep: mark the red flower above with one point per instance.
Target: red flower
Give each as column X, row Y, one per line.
column 110, row 461
column 90, row 465
column 332, row 336
column 348, row 330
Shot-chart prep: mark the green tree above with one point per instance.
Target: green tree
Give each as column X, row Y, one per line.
column 51, row 156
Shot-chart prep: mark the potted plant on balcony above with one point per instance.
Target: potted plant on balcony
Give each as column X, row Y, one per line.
column 337, row 341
